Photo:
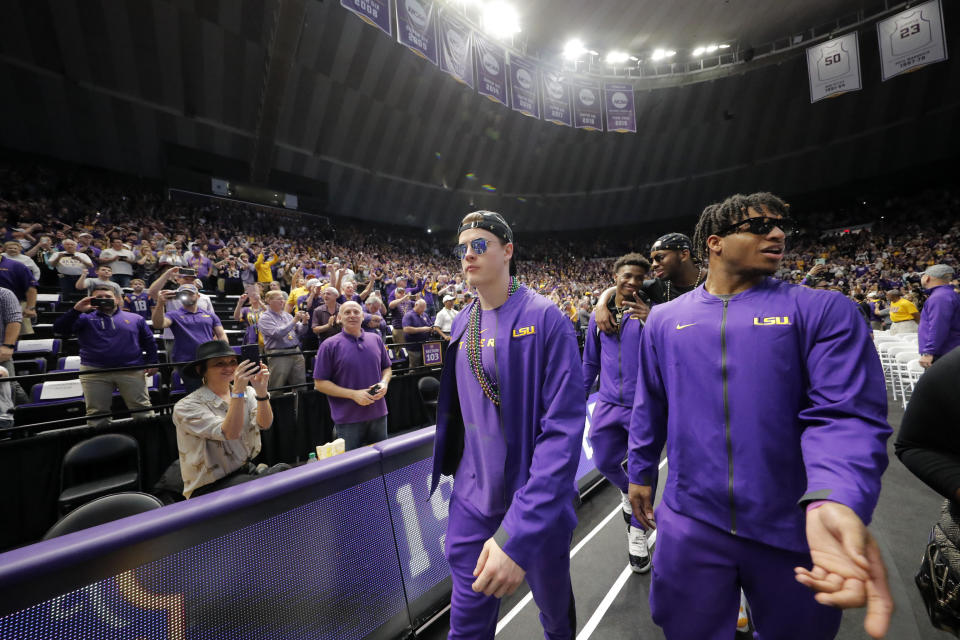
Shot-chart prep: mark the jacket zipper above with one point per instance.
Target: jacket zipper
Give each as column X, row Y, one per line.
column 726, row 417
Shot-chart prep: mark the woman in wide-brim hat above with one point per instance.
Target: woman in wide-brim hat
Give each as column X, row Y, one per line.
column 218, row 425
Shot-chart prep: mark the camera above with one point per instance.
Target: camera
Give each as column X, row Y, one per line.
column 188, row 273
column 102, row 303
column 374, row 390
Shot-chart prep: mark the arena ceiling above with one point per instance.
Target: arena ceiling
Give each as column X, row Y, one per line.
column 302, row 87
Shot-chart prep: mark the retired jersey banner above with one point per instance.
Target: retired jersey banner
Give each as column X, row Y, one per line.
column 455, row 40
column 375, row 12
column 834, row 67
column 911, row 39
column 587, row 106
column 524, row 79
column 417, row 27
column 491, row 69
column 621, row 113
column 556, row 99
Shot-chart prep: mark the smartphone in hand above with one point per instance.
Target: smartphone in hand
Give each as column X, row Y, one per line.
column 250, row 352
column 374, row 390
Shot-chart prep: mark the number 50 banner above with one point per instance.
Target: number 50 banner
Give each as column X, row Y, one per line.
column 834, row 67
column 911, row 39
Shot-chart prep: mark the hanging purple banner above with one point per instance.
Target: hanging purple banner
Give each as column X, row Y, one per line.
column 375, row 12
column 587, row 106
column 491, row 69
column 417, row 27
column 455, row 40
column 621, row 115
column 556, row 99
column 524, row 78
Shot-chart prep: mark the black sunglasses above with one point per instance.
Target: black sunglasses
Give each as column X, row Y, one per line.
column 479, row 246
column 759, row 226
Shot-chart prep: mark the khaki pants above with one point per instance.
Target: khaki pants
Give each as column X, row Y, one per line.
column 98, row 392
column 26, row 325
column 904, row 326
column 285, row 370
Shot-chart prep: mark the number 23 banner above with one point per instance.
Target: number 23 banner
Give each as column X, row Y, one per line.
column 911, row 39
column 834, row 67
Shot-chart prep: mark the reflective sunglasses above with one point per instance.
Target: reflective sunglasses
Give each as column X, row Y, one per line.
column 759, row 226
column 479, row 246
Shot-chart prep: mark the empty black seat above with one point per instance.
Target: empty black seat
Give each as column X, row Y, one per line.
column 101, row 465
column 429, row 389
column 103, row 509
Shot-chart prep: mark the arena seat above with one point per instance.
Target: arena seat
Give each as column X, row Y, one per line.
column 30, row 367
column 98, row 466
column 48, row 348
column 104, row 509
column 68, row 363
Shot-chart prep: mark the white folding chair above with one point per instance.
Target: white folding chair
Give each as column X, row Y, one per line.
column 901, row 360
column 891, row 369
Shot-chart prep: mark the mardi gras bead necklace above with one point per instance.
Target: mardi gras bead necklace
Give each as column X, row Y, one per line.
column 474, row 346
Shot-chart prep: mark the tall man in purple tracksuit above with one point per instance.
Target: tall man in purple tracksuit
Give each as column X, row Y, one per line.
column 771, row 400
column 939, row 331
column 509, row 429
column 614, row 359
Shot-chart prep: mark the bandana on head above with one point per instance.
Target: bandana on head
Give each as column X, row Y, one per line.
column 672, row 241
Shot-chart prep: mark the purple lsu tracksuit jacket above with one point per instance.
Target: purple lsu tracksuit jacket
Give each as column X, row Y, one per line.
column 939, row 332
column 542, row 418
column 614, row 359
column 775, row 396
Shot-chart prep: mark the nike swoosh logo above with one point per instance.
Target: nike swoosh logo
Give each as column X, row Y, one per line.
column 684, row 326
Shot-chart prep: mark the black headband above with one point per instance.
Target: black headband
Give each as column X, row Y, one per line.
column 672, row 241
column 492, row 222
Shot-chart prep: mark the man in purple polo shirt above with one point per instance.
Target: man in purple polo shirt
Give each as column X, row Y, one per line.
column 190, row 325
column 353, row 370
column 509, row 429
column 418, row 329
column 282, row 333
column 939, row 331
column 771, row 401
column 109, row 338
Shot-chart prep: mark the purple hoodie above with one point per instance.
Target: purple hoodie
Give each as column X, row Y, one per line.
column 542, row 415
column 614, row 359
column 775, row 396
column 940, row 322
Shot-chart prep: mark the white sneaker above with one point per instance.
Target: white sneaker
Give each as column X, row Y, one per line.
column 627, row 509
column 637, row 550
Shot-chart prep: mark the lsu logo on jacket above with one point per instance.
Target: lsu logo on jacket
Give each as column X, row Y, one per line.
column 524, row 331
column 772, row 320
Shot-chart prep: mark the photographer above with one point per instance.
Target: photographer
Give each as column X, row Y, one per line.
column 109, row 337
column 70, row 263
column 189, row 325
column 121, row 260
column 353, row 370
column 181, row 276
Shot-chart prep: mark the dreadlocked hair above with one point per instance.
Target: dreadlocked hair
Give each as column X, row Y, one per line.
column 633, row 259
column 734, row 209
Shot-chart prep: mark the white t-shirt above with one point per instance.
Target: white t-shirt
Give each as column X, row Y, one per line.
column 444, row 320
column 73, row 265
column 120, row 267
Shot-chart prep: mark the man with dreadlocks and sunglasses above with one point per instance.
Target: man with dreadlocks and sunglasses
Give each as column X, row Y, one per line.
column 771, row 401
column 510, row 419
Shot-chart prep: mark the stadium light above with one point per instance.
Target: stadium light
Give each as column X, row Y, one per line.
column 698, row 51
column 500, row 20
column 660, row 54
column 574, row 49
column 711, row 48
column 617, row 57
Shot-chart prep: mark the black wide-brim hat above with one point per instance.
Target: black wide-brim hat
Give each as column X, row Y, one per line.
column 208, row 351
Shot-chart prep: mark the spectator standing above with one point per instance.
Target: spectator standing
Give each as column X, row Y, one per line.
column 70, row 264
column 418, row 329
column 250, row 316
column 903, row 313
column 263, row 267
column 16, row 277
column 190, row 325
column 170, row 257
column 11, row 316
column 399, row 305
column 108, row 338
column 373, row 319
column 204, row 267
column 138, row 301
column 939, row 329
column 281, row 333
column 323, row 323
column 104, row 277
column 218, row 425
column 444, row 320
column 353, row 370
column 172, row 302
column 13, row 250
column 120, row 259
column 41, row 254
column 146, row 262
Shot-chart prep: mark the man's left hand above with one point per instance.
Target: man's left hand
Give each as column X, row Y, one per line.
column 926, row 360
column 497, row 574
column 848, row 570
column 5, row 353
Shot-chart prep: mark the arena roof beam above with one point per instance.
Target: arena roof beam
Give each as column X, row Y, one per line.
column 288, row 24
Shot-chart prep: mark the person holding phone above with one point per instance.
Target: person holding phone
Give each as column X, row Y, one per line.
column 282, row 333
column 613, row 358
column 110, row 337
column 170, row 303
column 353, row 370
column 189, row 324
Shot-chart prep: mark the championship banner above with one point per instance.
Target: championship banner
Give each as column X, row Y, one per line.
column 587, row 106
column 491, row 69
column 455, row 43
column 834, row 67
column 417, row 27
column 375, row 12
column 556, row 99
column 911, row 39
column 524, row 78
column 621, row 113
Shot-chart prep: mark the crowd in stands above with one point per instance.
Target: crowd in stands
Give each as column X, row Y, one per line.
column 79, row 231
